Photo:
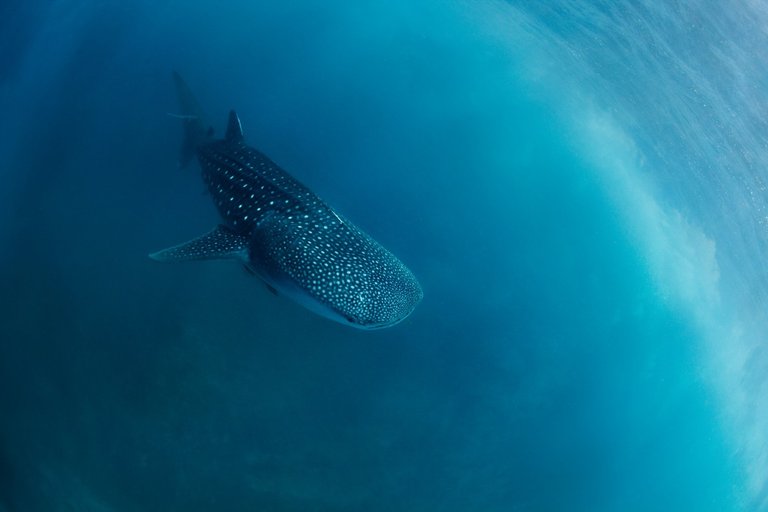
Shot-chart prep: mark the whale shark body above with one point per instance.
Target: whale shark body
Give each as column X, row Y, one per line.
column 283, row 233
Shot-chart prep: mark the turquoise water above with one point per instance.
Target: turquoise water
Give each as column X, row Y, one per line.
column 578, row 187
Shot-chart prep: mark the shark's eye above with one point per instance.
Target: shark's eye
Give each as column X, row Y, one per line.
column 350, row 319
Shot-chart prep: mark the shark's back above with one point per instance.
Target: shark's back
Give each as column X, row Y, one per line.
column 246, row 185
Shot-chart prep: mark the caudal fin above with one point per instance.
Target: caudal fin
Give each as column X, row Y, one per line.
column 196, row 128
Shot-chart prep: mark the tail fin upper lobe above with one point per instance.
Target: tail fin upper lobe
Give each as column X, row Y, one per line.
column 196, row 128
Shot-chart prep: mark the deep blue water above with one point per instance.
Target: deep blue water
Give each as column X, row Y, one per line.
column 580, row 188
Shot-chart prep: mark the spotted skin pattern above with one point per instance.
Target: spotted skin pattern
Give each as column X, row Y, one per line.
column 294, row 241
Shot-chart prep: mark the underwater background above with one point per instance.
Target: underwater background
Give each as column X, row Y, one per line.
column 580, row 187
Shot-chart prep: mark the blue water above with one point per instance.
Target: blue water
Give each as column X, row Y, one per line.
column 580, row 188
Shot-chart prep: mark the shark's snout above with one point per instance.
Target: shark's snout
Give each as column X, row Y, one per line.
column 387, row 304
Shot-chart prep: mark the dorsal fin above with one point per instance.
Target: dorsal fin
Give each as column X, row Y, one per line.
column 234, row 128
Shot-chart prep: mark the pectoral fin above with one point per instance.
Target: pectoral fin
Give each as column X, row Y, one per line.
column 221, row 243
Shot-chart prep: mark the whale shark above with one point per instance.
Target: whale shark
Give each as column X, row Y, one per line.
column 285, row 234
